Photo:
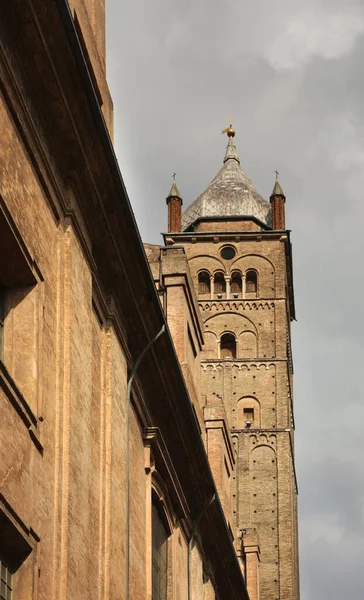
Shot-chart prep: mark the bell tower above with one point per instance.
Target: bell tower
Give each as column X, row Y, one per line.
column 239, row 256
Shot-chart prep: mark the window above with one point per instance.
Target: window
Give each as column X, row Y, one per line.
column 159, row 555
column 227, row 346
column 6, row 583
column 20, row 309
column 248, row 416
column 228, row 252
column 251, row 282
column 219, row 285
column 236, row 287
column 1, row 324
column 204, row 283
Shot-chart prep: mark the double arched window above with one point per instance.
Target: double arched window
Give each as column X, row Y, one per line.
column 222, row 286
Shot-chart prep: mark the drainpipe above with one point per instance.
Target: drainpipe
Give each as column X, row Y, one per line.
column 190, row 545
column 127, row 436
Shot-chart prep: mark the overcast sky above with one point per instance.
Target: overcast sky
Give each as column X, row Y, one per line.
column 290, row 73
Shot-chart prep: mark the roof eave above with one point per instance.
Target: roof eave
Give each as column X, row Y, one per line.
column 228, row 218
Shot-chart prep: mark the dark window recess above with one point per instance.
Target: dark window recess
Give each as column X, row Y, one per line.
column 2, row 301
column 6, row 582
column 219, row 284
column 203, row 283
column 228, row 346
column 228, row 252
column 236, row 286
column 251, row 282
column 159, row 555
column 248, row 415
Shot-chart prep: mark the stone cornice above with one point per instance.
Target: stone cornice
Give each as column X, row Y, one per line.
column 152, row 437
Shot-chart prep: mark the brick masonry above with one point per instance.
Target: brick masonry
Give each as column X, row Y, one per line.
column 261, row 476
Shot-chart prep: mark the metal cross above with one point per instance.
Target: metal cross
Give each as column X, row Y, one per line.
column 277, row 173
column 174, row 176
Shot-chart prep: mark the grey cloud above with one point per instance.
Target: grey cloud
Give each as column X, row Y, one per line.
column 177, row 71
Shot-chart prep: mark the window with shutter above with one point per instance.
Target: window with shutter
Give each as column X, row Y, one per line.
column 6, row 583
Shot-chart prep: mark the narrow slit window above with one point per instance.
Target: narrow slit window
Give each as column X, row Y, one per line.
column 248, row 416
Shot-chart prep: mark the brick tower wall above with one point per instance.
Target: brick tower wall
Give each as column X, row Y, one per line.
column 259, row 378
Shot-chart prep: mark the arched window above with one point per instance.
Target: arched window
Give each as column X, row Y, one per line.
column 251, row 282
column 248, row 412
column 159, row 554
column 227, row 346
column 219, row 285
column 236, row 287
column 204, row 283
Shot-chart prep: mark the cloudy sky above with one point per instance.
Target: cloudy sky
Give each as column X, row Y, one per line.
column 290, row 73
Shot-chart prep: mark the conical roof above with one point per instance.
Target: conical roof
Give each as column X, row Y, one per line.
column 174, row 191
column 230, row 194
column 277, row 190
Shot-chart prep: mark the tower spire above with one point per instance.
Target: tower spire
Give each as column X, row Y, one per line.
column 277, row 200
column 174, row 203
column 277, row 190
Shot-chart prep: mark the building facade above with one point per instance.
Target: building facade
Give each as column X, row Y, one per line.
column 235, row 251
column 105, row 486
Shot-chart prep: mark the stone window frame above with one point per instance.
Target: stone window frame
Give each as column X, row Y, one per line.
column 19, row 545
column 20, row 280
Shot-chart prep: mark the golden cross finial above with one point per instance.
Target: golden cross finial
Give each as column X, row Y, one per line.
column 277, row 173
column 229, row 130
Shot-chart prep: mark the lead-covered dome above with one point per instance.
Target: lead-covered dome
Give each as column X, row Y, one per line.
column 230, row 194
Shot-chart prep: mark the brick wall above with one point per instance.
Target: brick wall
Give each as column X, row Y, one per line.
column 263, row 479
